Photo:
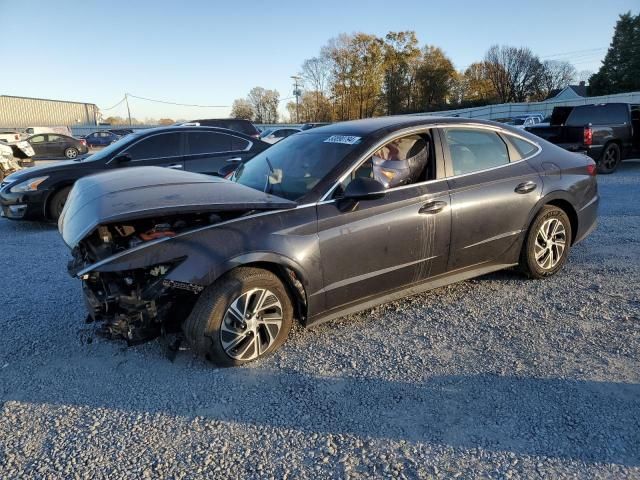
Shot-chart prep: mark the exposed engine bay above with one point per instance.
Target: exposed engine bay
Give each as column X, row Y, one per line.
column 138, row 305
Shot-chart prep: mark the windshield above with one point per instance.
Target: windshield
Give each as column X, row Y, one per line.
column 294, row 166
column 108, row 150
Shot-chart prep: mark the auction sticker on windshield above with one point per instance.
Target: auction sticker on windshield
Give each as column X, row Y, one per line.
column 346, row 139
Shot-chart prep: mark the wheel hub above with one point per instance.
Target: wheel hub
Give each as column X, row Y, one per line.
column 550, row 243
column 251, row 324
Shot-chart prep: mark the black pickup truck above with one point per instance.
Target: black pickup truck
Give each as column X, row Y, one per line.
column 607, row 132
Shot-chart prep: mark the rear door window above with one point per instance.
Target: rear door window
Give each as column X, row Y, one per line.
column 241, row 126
column 240, row 144
column 208, row 142
column 157, row 146
column 472, row 150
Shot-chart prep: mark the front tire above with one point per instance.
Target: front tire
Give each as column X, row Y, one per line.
column 245, row 315
column 56, row 204
column 71, row 153
column 546, row 247
column 610, row 159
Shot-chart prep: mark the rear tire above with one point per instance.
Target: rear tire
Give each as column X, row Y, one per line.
column 226, row 338
column 71, row 153
column 56, row 204
column 610, row 159
column 547, row 245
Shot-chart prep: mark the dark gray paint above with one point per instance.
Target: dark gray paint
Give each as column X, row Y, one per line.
column 392, row 246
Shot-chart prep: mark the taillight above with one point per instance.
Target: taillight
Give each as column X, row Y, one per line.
column 588, row 136
column 83, row 142
column 592, row 169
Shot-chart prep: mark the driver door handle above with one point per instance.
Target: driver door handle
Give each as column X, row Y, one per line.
column 176, row 166
column 526, row 187
column 432, row 207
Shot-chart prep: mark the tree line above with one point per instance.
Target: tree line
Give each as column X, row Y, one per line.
column 361, row 75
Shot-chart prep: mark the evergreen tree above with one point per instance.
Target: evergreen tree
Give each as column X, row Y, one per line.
column 620, row 70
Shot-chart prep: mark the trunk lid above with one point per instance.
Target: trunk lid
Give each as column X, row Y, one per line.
column 146, row 192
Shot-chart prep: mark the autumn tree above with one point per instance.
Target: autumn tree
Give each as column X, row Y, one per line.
column 620, row 70
column 242, row 109
column 316, row 77
column 555, row 75
column 515, row 73
column 357, row 70
column 165, row 121
column 478, row 86
column 264, row 104
column 434, row 78
column 401, row 53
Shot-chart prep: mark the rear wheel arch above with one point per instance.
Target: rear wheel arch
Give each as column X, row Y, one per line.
column 558, row 199
column 566, row 206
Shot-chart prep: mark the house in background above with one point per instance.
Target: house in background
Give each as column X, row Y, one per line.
column 569, row 92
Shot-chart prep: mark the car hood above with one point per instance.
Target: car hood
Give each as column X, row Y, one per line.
column 144, row 192
column 40, row 170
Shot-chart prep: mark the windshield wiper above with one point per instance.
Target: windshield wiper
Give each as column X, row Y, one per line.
column 272, row 172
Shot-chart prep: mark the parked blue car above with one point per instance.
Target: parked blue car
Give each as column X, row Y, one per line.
column 101, row 139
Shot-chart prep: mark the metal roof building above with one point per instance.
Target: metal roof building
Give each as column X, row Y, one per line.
column 41, row 112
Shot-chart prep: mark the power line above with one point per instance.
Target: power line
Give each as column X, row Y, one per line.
column 574, row 52
column 110, row 108
column 176, row 103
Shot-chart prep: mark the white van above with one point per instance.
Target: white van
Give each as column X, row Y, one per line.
column 36, row 130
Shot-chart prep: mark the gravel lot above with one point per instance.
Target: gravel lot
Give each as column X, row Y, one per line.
column 497, row 377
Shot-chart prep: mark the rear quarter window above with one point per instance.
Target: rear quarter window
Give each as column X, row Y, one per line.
column 523, row 148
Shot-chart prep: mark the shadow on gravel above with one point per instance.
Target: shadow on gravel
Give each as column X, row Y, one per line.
column 580, row 420
column 19, row 226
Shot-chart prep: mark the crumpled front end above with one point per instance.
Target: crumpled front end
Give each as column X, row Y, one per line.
column 136, row 305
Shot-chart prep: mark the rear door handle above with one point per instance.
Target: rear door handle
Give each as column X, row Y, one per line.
column 176, row 166
column 432, row 207
column 526, row 187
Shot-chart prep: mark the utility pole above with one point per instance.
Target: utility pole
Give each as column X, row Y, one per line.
column 296, row 92
column 126, row 99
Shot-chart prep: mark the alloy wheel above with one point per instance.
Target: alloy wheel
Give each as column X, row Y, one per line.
column 251, row 324
column 610, row 158
column 71, row 153
column 550, row 244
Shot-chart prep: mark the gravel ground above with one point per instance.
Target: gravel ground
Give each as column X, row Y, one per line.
column 497, row 377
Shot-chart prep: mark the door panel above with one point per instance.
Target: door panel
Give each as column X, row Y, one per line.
column 39, row 145
column 383, row 244
column 489, row 208
column 208, row 152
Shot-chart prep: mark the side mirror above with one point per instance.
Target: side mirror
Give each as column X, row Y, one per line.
column 227, row 169
column 118, row 159
column 363, row 188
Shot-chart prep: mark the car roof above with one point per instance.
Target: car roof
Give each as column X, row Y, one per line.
column 179, row 128
column 371, row 125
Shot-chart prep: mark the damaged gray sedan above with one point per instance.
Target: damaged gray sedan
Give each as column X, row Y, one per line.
column 325, row 223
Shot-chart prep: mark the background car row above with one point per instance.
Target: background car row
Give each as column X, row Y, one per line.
column 40, row 193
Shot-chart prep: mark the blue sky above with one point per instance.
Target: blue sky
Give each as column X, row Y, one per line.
column 211, row 52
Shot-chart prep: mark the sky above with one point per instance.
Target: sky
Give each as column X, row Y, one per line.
column 212, row 52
